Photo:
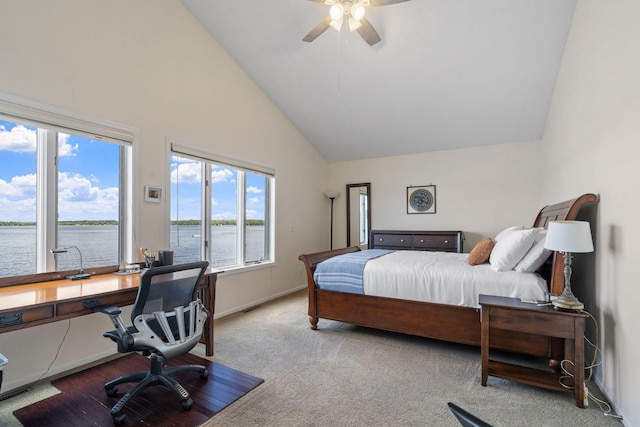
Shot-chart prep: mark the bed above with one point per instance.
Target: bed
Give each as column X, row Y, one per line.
column 448, row 322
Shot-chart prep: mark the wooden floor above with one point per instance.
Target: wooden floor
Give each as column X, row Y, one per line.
column 83, row 401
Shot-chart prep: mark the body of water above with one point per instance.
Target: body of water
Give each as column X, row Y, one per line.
column 99, row 246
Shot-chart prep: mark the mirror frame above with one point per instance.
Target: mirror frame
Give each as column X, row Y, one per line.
column 349, row 187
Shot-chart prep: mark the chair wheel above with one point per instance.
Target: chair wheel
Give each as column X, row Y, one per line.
column 186, row 405
column 204, row 375
column 112, row 391
column 119, row 419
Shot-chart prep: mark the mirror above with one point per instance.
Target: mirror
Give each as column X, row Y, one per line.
column 358, row 214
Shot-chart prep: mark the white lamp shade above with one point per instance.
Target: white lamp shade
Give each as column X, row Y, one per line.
column 569, row 236
column 332, row 194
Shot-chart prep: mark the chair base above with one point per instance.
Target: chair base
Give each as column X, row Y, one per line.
column 158, row 374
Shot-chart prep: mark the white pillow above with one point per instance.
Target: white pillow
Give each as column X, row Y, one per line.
column 536, row 256
column 506, row 231
column 510, row 249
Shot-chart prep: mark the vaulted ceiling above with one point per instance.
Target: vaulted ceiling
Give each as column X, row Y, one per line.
column 447, row 74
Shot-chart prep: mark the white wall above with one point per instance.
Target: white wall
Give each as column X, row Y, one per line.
column 479, row 191
column 149, row 64
column 592, row 142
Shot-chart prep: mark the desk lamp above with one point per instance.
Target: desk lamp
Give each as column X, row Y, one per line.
column 568, row 237
column 81, row 274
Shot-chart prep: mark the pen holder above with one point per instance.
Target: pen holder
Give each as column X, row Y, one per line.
column 149, row 260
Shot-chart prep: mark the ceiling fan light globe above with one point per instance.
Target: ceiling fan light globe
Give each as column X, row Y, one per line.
column 357, row 12
column 336, row 11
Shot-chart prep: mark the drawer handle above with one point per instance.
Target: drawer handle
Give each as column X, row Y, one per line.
column 11, row 319
column 90, row 303
column 446, row 241
column 401, row 240
column 421, row 240
column 381, row 239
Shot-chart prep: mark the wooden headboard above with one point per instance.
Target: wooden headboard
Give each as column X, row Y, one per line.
column 564, row 211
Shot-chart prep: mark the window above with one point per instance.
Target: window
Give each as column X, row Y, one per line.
column 234, row 197
column 60, row 186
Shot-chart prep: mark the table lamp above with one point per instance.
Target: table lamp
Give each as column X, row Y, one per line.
column 81, row 274
column 568, row 237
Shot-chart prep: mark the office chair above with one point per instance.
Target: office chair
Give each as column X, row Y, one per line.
column 167, row 321
column 465, row 418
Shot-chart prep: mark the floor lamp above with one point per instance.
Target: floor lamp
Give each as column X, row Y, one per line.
column 332, row 195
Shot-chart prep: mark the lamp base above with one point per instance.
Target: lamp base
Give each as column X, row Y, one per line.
column 567, row 304
column 79, row 276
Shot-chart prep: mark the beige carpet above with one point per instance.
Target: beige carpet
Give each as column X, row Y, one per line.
column 342, row 375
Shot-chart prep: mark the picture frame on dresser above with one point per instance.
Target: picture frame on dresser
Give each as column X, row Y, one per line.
column 421, row 199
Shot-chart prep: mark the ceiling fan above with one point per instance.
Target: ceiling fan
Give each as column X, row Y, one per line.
column 352, row 12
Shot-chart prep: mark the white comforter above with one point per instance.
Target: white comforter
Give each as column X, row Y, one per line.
column 446, row 278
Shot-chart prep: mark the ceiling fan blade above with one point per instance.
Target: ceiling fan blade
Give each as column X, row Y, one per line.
column 368, row 33
column 376, row 3
column 317, row 30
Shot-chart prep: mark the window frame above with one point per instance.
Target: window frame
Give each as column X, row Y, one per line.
column 54, row 121
column 208, row 159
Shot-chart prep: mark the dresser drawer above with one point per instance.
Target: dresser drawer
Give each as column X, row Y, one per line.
column 18, row 317
column 395, row 240
column 441, row 242
column 87, row 304
column 418, row 240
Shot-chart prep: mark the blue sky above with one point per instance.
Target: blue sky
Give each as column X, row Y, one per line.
column 186, row 172
column 88, row 180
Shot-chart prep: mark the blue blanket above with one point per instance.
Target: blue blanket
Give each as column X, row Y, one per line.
column 344, row 273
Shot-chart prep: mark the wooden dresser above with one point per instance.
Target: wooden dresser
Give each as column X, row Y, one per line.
column 443, row 241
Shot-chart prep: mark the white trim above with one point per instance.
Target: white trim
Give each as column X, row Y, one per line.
column 22, row 108
column 178, row 148
column 258, row 302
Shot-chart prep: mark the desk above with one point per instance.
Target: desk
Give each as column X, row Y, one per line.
column 513, row 315
column 31, row 304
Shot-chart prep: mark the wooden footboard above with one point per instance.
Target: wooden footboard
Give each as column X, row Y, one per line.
column 438, row 321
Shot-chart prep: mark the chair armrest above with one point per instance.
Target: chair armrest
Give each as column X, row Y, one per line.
column 110, row 310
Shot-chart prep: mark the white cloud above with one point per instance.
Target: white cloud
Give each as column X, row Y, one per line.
column 18, row 139
column 224, row 215
column 253, row 200
column 186, row 173
column 221, row 175
column 251, row 214
column 21, row 139
column 64, row 148
column 78, row 199
column 254, row 190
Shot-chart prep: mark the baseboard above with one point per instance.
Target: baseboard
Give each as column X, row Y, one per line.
column 61, row 370
column 260, row 301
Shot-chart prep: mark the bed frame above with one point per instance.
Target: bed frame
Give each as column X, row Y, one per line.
column 439, row 321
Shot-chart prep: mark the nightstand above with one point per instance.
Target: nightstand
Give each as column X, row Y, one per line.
column 514, row 315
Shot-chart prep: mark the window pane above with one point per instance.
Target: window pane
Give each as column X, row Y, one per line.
column 186, row 212
column 224, row 216
column 17, row 198
column 88, row 201
column 255, row 208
